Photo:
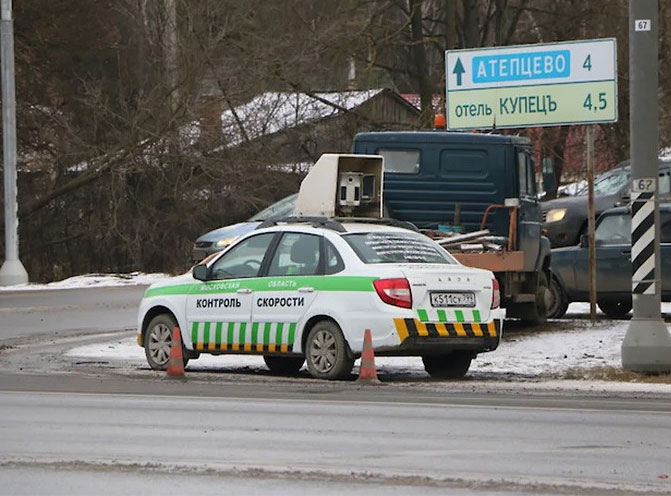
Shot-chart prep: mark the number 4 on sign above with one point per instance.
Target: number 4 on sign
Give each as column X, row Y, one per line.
column 587, row 64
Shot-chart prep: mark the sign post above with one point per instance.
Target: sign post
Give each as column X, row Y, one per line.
column 647, row 344
column 591, row 220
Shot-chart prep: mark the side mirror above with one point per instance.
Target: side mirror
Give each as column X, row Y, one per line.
column 199, row 272
column 549, row 178
column 584, row 240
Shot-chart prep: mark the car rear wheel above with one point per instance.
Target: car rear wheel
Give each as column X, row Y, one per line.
column 158, row 340
column 285, row 365
column 326, row 352
column 615, row 309
column 449, row 366
column 558, row 303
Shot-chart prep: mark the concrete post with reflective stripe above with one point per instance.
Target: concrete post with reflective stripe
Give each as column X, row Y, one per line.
column 647, row 344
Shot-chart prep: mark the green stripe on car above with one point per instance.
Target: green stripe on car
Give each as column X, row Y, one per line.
column 448, row 315
column 319, row 283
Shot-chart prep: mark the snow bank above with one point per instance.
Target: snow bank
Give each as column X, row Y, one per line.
column 93, row 280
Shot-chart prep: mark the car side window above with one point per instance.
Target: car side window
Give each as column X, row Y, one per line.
column 614, row 230
column 527, row 178
column 297, row 255
column 243, row 260
column 665, row 184
column 400, row 161
column 664, row 227
column 334, row 263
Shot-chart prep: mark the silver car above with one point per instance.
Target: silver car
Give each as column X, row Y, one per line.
column 218, row 239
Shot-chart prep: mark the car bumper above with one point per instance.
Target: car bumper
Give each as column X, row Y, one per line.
column 434, row 338
column 565, row 232
column 420, row 346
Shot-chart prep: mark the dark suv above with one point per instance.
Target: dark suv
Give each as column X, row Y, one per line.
column 565, row 219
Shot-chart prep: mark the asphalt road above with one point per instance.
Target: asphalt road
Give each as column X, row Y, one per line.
column 67, row 433
column 345, row 437
column 26, row 313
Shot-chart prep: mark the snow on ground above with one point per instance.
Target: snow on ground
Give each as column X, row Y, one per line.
column 535, row 354
column 92, row 280
column 540, row 356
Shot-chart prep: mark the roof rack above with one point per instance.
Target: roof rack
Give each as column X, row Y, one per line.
column 336, row 223
column 323, row 222
column 384, row 221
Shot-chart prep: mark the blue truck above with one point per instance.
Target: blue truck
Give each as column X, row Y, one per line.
column 462, row 182
column 468, row 183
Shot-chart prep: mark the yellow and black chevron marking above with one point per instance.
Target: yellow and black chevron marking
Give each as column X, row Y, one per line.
column 247, row 347
column 415, row 328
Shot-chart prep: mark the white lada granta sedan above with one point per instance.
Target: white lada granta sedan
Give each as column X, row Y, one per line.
column 306, row 291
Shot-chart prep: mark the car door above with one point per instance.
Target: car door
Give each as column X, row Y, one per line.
column 665, row 253
column 613, row 257
column 283, row 296
column 219, row 311
column 529, row 222
column 613, row 254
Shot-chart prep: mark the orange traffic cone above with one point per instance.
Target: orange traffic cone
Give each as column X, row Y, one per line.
column 176, row 361
column 367, row 370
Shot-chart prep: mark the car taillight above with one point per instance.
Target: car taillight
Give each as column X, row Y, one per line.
column 496, row 294
column 394, row 292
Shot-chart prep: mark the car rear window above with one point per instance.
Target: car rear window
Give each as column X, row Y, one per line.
column 396, row 247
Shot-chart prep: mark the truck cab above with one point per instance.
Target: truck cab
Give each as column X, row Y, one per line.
column 468, row 182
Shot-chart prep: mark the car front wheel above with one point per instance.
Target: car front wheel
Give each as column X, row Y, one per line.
column 326, row 352
column 558, row 300
column 158, row 340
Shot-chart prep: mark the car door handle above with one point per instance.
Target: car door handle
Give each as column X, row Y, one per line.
column 625, row 252
column 244, row 291
column 306, row 289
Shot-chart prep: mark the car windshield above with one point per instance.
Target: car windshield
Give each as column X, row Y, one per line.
column 397, row 247
column 608, row 183
column 283, row 208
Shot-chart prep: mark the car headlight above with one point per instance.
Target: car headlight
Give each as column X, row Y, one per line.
column 224, row 242
column 555, row 215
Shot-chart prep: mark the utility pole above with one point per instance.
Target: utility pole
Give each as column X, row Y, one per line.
column 170, row 46
column 647, row 344
column 12, row 271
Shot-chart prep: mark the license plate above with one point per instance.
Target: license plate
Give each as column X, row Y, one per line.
column 452, row 299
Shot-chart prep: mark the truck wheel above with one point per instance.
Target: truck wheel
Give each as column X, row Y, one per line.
column 158, row 340
column 615, row 309
column 449, row 366
column 535, row 313
column 558, row 300
column 284, row 365
column 326, row 352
